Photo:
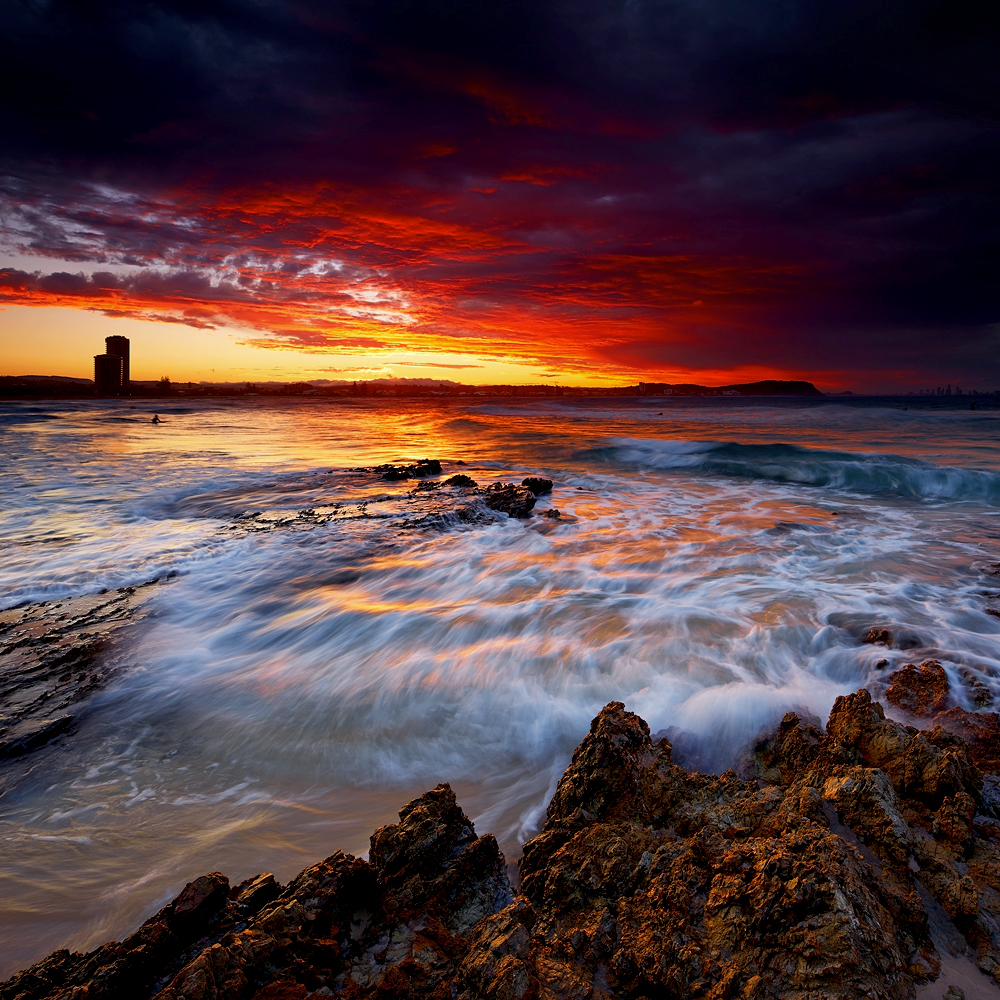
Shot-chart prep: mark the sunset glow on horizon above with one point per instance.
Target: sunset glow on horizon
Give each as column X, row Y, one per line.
column 386, row 192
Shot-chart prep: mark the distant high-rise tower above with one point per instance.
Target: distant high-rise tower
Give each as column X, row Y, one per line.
column 118, row 346
column 108, row 373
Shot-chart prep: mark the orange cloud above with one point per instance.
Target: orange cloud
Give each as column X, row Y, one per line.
column 323, row 268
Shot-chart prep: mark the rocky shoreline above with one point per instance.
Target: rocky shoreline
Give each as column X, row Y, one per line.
column 859, row 861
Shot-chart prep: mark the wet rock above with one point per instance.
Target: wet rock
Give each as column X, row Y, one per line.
column 980, row 695
column 306, row 925
column 919, row 766
column 131, row 968
column 53, row 656
column 931, row 815
column 827, row 871
column 496, row 964
column 778, row 757
column 553, row 513
column 655, row 882
column 954, row 818
column 866, row 801
column 432, row 861
column 427, row 467
column 537, row 485
column 878, row 636
column 922, row 691
column 199, row 901
column 476, row 513
column 395, row 473
column 425, row 506
column 417, row 470
column 396, row 926
column 30, row 734
column 514, row 501
column 255, row 893
column 978, row 731
column 990, row 795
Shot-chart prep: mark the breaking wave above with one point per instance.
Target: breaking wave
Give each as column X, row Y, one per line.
column 857, row 472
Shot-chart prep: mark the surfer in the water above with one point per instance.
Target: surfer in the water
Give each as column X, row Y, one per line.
column 156, row 418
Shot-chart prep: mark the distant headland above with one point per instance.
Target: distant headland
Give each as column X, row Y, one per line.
column 112, row 378
column 62, row 387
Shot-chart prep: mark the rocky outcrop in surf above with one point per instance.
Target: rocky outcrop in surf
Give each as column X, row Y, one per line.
column 853, row 862
column 430, row 499
column 416, row 470
column 506, row 498
column 537, row 485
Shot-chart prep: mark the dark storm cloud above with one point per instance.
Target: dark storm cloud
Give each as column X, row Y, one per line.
column 815, row 174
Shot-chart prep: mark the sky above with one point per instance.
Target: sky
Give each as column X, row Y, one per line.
column 592, row 192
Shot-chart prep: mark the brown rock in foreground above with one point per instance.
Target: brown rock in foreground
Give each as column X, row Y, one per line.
column 395, row 927
column 979, row 731
column 648, row 881
column 922, row 691
column 834, row 872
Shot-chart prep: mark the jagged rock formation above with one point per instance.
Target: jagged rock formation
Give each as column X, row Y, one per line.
column 396, row 926
column 922, row 691
column 649, row 881
column 837, row 867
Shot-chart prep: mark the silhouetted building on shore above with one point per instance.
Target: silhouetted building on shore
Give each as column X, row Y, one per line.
column 118, row 346
column 111, row 370
column 108, row 374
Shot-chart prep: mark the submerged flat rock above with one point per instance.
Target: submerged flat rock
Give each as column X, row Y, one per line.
column 53, row 656
column 856, row 862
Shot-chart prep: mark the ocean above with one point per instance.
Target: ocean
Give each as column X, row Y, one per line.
column 318, row 650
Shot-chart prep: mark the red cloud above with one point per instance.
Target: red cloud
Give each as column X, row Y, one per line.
column 524, row 274
column 318, row 268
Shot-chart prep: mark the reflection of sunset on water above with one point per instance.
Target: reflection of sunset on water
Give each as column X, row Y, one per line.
column 468, row 367
column 313, row 665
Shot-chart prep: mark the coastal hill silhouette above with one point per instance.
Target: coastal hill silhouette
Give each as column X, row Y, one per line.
column 110, row 381
column 64, row 387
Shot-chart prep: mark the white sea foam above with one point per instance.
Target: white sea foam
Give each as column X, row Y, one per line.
column 291, row 689
column 868, row 473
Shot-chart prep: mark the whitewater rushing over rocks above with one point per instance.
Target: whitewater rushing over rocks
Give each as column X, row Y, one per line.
column 855, row 866
column 290, row 644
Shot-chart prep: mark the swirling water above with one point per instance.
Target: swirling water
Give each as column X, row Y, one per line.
column 292, row 688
